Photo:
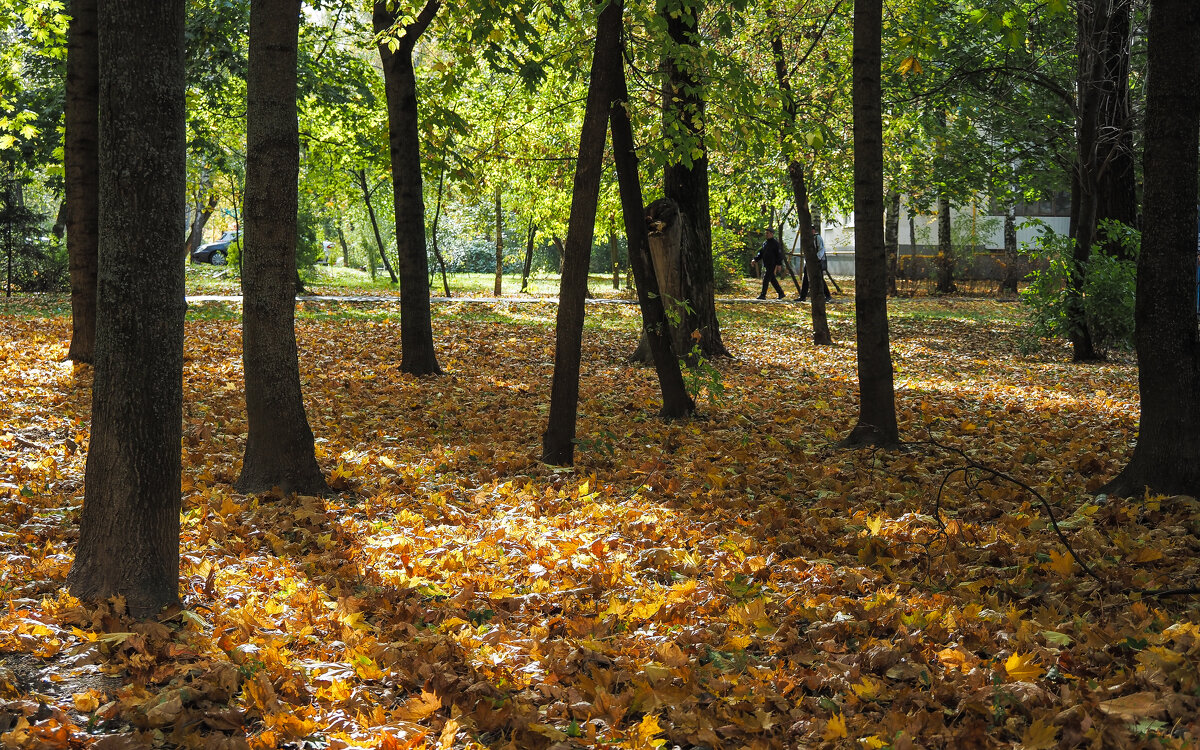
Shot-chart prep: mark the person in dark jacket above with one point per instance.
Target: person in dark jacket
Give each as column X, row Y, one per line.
column 771, row 257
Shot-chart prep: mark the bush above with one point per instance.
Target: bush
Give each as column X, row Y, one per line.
column 730, row 251
column 1108, row 287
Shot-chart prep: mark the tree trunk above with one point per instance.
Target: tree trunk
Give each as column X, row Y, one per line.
column 195, row 237
column 279, row 445
column 1166, row 457
column 812, row 265
column 945, row 256
column 362, row 184
column 82, row 181
column 677, row 402
column 558, row 441
column 1116, row 196
column 1101, row 183
column 1012, row 253
column 433, row 235
column 686, row 181
column 417, row 353
column 891, row 240
column 129, row 527
column 877, row 404
column 499, row 286
column 345, row 247
column 615, row 255
column 528, row 255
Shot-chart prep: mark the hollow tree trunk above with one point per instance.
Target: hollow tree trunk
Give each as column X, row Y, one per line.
column 280, row 451
column 129, row 527
column 677, row 402
column 417, row 353
column 82, row 183
column 558, row 441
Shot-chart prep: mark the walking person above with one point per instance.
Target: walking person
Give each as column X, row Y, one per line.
column 771, row 257
column 820, row 243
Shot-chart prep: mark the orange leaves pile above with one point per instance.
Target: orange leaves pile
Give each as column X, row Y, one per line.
column 730, row 581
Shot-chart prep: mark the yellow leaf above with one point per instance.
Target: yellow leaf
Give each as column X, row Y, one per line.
column 1146, row 554
column 647, row 731
column 873, row 742
column 419, row 707
column 868, row 689
column 875, row 525
column 1061, row 563
column 835, row 728
column 1020, row 667
column 87, row 702
column 1040, row 736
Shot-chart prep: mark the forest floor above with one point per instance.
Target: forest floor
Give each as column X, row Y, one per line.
column 734, row 580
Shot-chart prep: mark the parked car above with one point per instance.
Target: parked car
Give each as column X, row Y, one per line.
column 216, row 252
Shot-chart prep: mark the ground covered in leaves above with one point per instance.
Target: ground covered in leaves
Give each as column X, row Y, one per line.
column 730, row 581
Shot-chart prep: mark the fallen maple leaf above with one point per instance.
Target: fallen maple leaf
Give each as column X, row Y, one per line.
column 1021, row 667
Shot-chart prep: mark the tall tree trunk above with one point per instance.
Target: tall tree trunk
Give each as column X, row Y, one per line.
column 528, row 255
column 280, row 451
column 81, row 165
column 558, row 441
column 677, row 402
column 361, row 174
column 499, row 286
column 129, row 528
column 1101, row 183
column 877, row 403
column 891, row 239
column 1166, row 456
column 433, row 235
column 1116, row 197
column 945, row 256
column 417, row 353
column 686, row 181
column 1012, row 253
column 812, row 265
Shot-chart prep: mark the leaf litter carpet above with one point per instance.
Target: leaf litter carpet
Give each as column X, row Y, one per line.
column 730, row 581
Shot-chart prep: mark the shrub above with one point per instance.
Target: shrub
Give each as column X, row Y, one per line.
column 730, row 251
column 1108, row 287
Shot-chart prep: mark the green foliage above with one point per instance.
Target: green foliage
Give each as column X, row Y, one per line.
column 730, row 250
column 1108, row 287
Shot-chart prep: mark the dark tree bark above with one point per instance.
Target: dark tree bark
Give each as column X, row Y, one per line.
column 129, row 527
column 82, row 170
column 1102, row 180
column 417, row 353
column 677, row 402
column 528, row 255
column 945, row 255
column 877, row 403
column 1166, row 458
column 558, row 441
column 345, row 247
column 1012, row 253
column 203, row 212
column 891, row 239
column 499, row 285
column 812, row 266
column 279, row 446
column 383, row 256
column 433, row 235
column 687, row 184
